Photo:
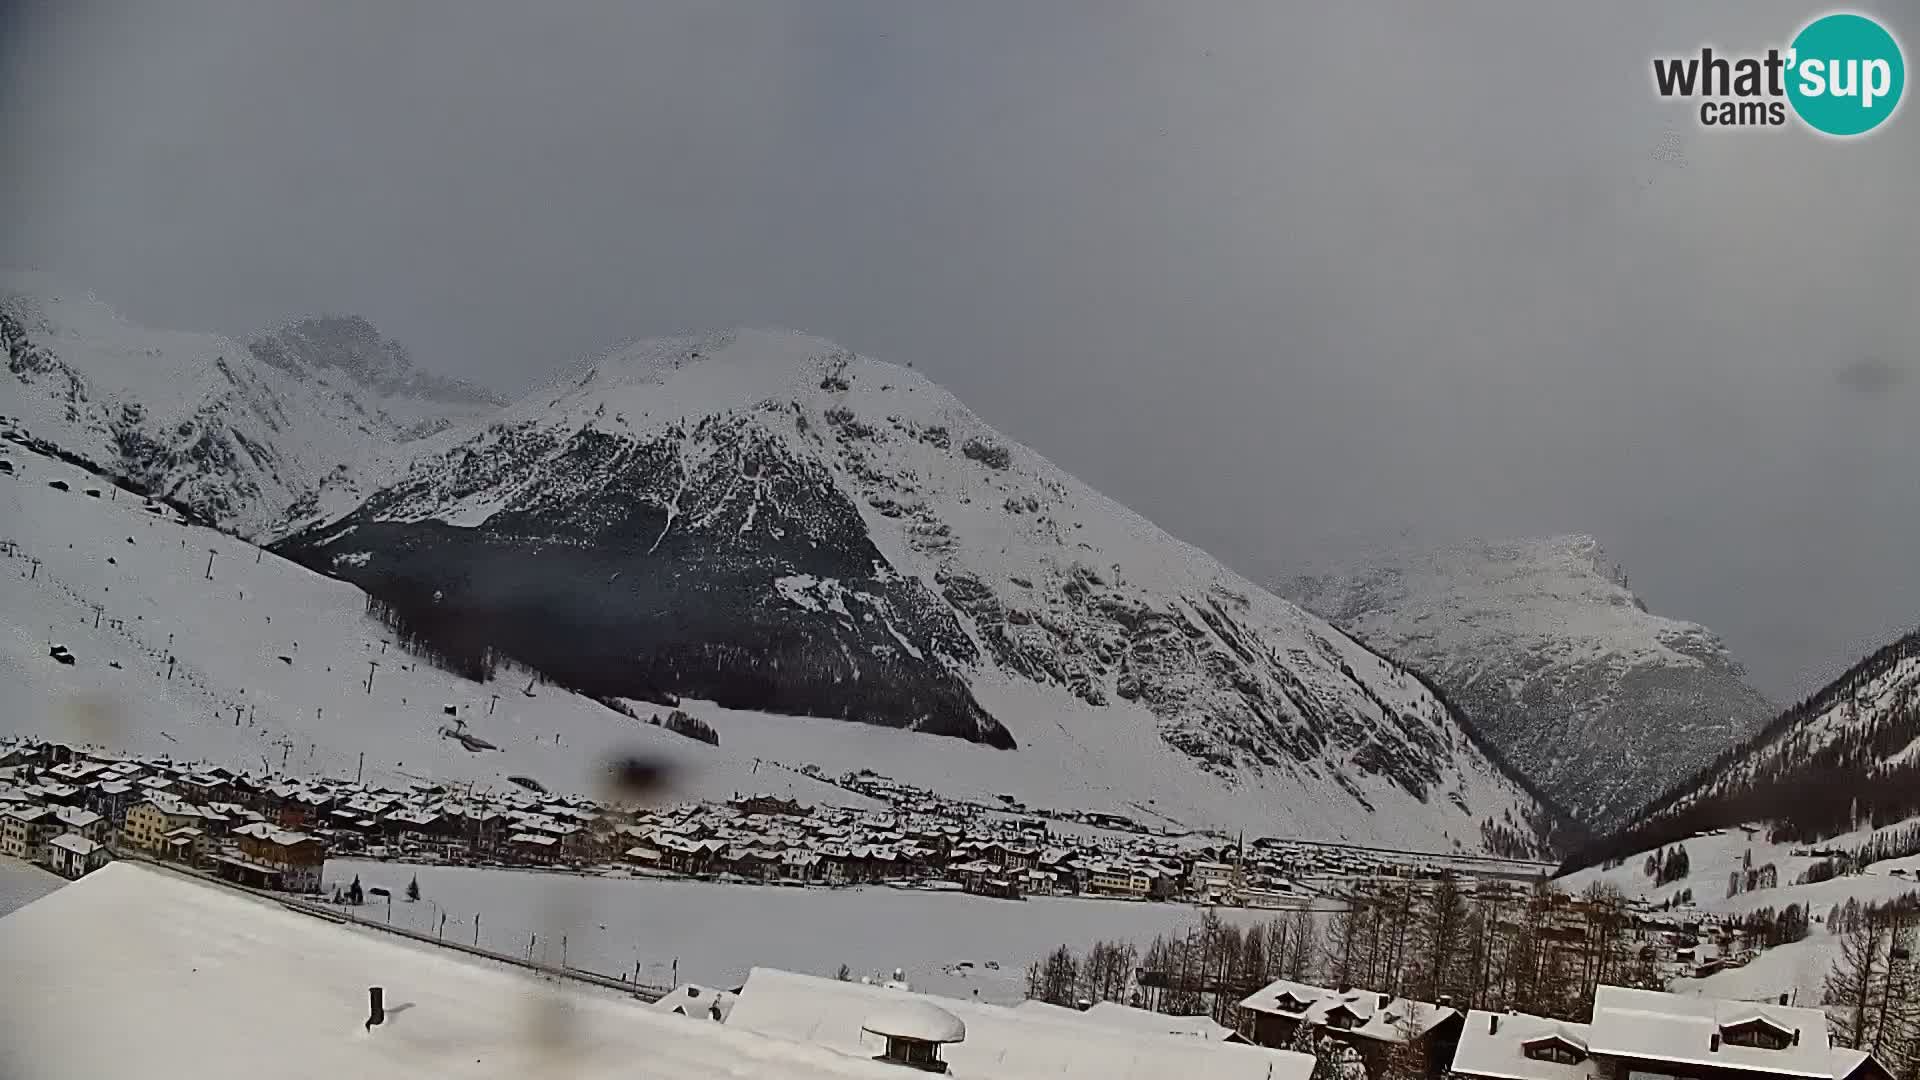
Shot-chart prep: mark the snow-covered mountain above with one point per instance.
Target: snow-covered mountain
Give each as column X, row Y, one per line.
column 771, row 522
column 1844, row 760
column 762, row 523
column 238, row 432
column 1547, row 650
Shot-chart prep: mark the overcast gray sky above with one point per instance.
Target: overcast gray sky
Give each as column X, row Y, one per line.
column 1285, row 277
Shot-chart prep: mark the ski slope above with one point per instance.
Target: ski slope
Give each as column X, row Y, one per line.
column 271, row 662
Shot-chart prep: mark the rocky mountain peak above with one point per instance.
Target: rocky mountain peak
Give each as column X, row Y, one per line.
column 351, row 345
column 1546, row 647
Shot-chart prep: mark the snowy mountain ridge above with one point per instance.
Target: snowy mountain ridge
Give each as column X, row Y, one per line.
column 1844, row 759
column 240, row 433
column 1543, row 644
column 767, row 522
column 831, row 535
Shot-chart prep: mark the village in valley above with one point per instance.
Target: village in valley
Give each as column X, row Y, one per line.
column 72, row 810
column 1370, row 959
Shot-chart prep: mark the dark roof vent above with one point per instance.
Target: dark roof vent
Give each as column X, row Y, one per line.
column 1493, row 1024
column 1713, row 1043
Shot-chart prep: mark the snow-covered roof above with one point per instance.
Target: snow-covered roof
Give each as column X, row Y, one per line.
column 1494, row 1045
column 75, row 843
column 1375, row 1016
column 74, row 817
column 211, row 983
column 1001, row 1043
column 1655, row 1026
column 1112, row 1014
column 915, row 1019
column 692, row 999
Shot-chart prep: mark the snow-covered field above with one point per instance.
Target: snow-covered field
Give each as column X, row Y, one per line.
column 1798, row 970
column 720, row 931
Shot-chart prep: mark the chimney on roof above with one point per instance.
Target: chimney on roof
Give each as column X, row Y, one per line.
column 1713, row 1043
column 1493, row 1024
column 377, row 1010
column 1384, row 998
column 1783, row 999
column 1796, row 1036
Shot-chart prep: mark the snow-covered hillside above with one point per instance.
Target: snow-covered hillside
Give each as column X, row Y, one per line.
column 271, row 661
column 1845, row 759
column 1715, row 888
column 770, row 521
column 237, row 432
column 1867, row 721
column 1542, row 644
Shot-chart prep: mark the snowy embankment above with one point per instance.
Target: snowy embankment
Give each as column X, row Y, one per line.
column 718, row 932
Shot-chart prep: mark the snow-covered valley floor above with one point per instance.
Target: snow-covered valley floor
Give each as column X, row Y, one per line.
column 719, row 931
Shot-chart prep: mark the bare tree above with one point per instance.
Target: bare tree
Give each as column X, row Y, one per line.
column 1857, row 983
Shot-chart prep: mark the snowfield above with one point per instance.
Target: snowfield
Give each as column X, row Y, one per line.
column 719, row 932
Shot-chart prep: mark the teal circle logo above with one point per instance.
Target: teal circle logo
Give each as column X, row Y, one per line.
column 1846, row 74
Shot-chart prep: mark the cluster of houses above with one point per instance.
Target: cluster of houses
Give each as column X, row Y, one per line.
column 72, row 810
column 1267, row 863
column 1633, row 1034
